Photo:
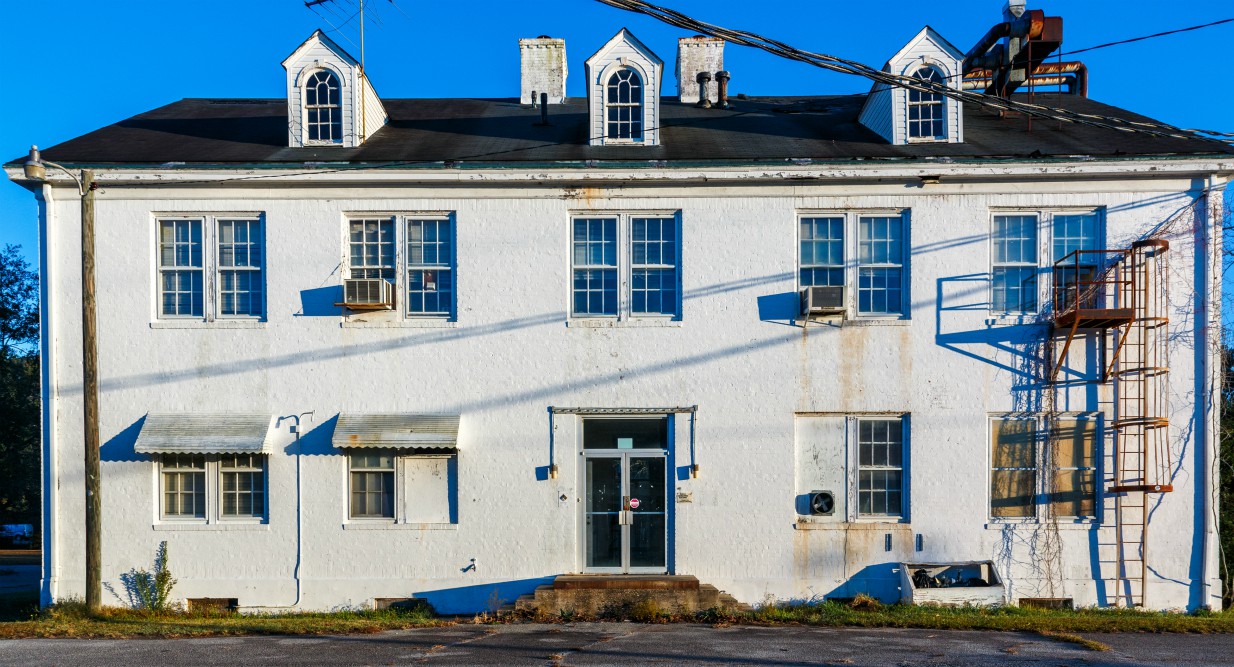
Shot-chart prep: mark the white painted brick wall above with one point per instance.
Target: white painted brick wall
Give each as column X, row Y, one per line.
column 544, row 69
column 694, row 55
column 513, row 353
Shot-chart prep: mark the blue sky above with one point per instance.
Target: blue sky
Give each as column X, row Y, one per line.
column 101, row 62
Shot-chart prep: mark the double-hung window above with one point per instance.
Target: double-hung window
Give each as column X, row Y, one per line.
column 414, row 253
column 1014, row 266
column 1022, row 242
column 880, row 467
column 211, row 267
column 372, row 485
column 207, row 488
column 625, row 265
column 875, row 282
column 1043, row 467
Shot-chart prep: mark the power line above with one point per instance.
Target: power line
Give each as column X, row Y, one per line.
column 842, row 65
column 1153, row 36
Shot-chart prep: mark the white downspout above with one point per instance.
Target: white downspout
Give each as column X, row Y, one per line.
column 299, row 520
column 1213, row 378
column 49, row 391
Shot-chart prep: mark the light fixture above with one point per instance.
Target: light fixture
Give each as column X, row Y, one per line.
column 35, row 171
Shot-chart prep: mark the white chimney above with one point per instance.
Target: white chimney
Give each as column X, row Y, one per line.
column 544, row 69
column 1013, row 10
column 698, row 54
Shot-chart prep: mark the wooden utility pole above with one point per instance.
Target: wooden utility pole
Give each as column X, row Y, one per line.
column 90, row 400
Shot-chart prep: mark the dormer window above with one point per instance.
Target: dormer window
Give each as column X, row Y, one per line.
column 330, row 102
column 324, row 109
column 623, row 94
column 926, row 113
column 624, row 106
column 904, row 116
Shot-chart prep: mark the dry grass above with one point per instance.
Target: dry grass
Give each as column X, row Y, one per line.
column 70, row 619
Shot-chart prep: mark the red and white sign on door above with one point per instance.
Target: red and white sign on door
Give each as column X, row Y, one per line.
column 634, row 503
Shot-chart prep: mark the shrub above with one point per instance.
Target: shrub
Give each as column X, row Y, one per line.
column 150, row 590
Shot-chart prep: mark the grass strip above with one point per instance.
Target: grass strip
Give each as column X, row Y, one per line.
column 71, row 620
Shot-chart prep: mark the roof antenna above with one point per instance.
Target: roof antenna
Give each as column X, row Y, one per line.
column 313, row 3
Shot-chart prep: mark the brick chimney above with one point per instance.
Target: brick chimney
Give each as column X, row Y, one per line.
column 698, row 54
column 544, row 69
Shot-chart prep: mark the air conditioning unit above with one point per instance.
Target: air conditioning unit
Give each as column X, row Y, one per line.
column 368, row 294
column 822, row 503
column 822, row 301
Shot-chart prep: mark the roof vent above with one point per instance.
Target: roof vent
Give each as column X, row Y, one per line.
column 544, row 69
column 696, row 55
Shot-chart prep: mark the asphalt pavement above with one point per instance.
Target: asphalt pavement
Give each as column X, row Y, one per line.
column 632, row 644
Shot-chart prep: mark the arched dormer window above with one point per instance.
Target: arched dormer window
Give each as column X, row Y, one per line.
column 323, row 108
column 624, row 106
column 927, row 115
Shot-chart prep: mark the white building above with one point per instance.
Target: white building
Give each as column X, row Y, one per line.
column 579, row 347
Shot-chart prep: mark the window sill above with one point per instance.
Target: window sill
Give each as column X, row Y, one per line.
column 613, row 323
column 203, row 324
column 224, row 526
column 1012, row 320
column 1033, row 524
column 877, row 322
column 390, row 525
column 835, row 523
column 410, row 323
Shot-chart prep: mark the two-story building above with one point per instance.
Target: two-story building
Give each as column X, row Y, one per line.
column 355, row 348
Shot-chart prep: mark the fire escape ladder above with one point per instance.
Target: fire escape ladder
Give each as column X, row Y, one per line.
column 1125, row 292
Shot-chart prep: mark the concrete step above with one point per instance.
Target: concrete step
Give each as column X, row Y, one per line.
column 601, row 595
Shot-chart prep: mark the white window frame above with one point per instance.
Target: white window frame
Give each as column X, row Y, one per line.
column 213, row 478
column 1045, row 251
column 399, row 498
column 853, row 430
column 640, row 107
column 852, row 266
column 402, row 267
column 941, row 104
column 342, row 108
column 1043, row 470
column 211, row 268
column 625, row 267
column 396, row 478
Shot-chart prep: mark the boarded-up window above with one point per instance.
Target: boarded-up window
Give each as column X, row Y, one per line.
column 1074, row 467
column 1013, row 467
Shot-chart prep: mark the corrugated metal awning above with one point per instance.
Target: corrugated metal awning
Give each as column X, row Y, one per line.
column 397, row 431
column 222, row 433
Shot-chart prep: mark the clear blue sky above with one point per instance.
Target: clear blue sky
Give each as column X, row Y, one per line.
column 101, row 62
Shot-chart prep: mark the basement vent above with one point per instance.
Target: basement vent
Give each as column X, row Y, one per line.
column 1047, row 603
column 403, row 604
column 217, row 605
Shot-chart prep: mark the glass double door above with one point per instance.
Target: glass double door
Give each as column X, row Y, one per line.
column 626, row 517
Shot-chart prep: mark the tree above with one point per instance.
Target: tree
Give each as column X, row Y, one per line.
column 19, row 389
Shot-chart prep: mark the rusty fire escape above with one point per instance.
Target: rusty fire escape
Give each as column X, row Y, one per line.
column 1121, row 296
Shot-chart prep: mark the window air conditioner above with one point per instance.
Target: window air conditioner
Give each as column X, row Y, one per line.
column 368, row 294
column 822, row 301
column 822, row 503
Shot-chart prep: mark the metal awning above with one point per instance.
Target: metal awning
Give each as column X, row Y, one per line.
column 397, row 431
column 222, row 433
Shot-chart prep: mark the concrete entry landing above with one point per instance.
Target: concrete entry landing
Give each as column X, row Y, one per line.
column 598, row 594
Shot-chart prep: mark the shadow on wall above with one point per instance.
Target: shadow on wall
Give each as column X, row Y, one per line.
column 881, row 581
column 121, row 446
column 320, row 302
column 779, row 308
column 481, row 597
column 319, row 441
